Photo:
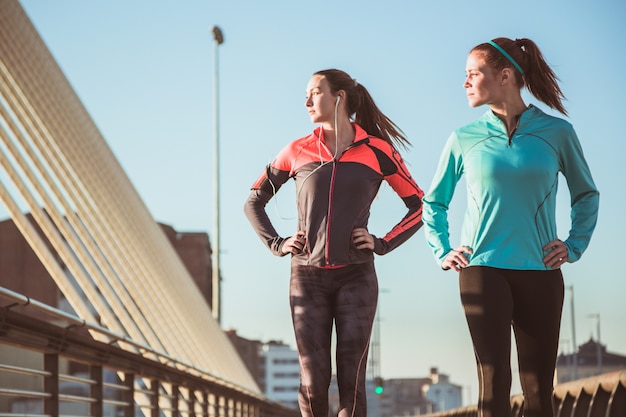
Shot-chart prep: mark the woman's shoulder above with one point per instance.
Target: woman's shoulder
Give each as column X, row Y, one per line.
column 300, row 143
column 477, row 125
column 384, row 147
column 379, row 143
column 540, row 117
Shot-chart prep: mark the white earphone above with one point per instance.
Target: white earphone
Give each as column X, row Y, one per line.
column 338, row 98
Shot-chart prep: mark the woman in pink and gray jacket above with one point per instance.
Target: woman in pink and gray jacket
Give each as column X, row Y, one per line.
column 338, row 170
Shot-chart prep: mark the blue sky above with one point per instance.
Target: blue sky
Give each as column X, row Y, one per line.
column 144, row 70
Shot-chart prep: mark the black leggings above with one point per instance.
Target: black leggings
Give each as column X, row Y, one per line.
column 347, row 296
column 530, row 301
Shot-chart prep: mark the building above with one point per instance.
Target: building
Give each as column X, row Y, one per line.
column 591, row 359
column 441, row 393
column 281, row 370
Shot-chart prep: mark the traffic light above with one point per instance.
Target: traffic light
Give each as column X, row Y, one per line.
column 378, row 385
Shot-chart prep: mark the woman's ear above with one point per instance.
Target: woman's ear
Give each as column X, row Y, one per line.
column 506, row 76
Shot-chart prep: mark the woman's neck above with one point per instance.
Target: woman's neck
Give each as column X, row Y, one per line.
column 337, row 140
column 509, row 112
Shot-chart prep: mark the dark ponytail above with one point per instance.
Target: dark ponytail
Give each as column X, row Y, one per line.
column 360, row 103
column 537, row 75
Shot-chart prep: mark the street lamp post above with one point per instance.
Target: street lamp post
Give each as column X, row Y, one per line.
column 574, row 347
column 216, row 307
column 374, row 357
column 598, row 345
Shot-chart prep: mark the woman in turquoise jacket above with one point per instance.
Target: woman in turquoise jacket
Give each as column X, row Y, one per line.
column 510, row 254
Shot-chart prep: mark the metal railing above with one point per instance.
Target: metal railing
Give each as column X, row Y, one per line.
column 50, row 365
column 599, row 396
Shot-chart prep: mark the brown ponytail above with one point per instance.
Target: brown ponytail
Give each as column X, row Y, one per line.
column 360, row 103
column 537, row 75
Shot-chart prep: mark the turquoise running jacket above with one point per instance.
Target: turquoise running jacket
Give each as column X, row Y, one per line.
column 511, row 191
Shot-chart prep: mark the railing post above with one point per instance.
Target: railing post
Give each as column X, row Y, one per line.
column 154, row 400
column 97, row 391
column 129, row 394
column 51, row 384
column 205, row 403
column 191, row 404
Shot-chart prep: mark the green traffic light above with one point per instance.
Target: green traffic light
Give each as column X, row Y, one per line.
column 378, row 385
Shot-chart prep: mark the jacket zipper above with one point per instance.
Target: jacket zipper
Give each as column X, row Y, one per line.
column 331, row 193
column 330, row 211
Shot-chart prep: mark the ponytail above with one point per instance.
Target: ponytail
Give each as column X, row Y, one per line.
column 531, row 69
column 360, row 103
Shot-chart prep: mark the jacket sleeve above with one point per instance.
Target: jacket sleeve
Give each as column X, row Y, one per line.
column 263, row 190
column 584, row 196
column 438, row 198
column 399, row 178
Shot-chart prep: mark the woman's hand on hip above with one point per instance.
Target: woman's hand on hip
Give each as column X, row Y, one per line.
column 294, row 244
column 557, row 254
column 456, row 259
column 362, row 239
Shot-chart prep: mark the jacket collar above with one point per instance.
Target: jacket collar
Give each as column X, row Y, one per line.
column 359, row 136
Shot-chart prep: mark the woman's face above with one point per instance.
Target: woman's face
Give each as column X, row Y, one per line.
column 482, row 84
column 320, row 102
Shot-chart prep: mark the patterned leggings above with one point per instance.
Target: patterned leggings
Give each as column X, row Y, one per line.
column 530, row 301
column 347, row 296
